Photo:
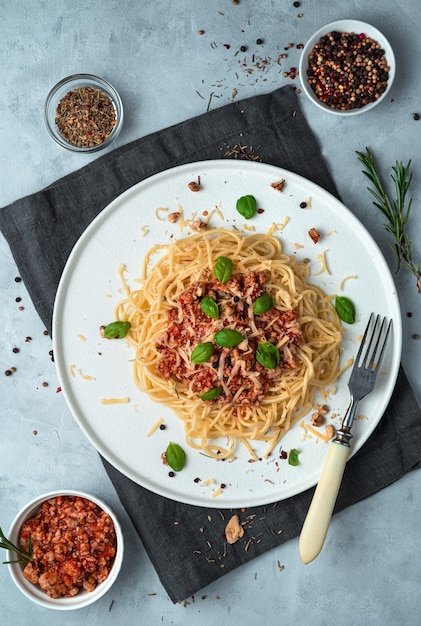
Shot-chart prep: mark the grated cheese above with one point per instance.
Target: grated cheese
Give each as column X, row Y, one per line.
column 307, row 428
column 159, row 210
column 324, row 267
column 209, row 481
column 144, row 230
column 155, row 427
column 114, row 400
column 216, row 493
column 341, row 284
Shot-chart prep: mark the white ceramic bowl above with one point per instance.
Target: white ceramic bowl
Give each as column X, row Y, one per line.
column 70, row 83
column 34, row 592
column 346, row 26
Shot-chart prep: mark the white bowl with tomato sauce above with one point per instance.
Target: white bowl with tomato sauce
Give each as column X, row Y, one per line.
column 344, row 88
column 94, row 525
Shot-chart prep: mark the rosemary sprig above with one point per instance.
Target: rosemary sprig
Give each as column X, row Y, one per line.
column 396, row 211
column 8, row 545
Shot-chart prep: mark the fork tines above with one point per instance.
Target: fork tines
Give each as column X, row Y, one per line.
column 373, row 342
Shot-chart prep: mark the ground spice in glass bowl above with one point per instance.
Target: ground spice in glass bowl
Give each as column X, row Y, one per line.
column 83, row 113
column 347, row 67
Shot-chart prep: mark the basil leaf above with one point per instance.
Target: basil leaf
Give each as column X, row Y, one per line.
column 211, row 394
column 345, row 309
column 293, row 457
column 209, row 307
column 262, row 304
column 176, row 457
column 202, row 352
column 116, row 330
column 223, row 269
column 268, row 355
column 227, row 338
column 246, row 206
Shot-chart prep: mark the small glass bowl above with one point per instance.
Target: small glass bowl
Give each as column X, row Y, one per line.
column 347, row 26
column 69, row 84
column 34, row 592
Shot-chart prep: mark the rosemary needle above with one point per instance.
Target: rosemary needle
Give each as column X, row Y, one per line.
column 396, row 211
column 8, row 545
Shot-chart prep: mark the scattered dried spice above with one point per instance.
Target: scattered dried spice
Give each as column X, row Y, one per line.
column 242, row 152
column 314, row 235
column 416, row 117
column 415, row 336
column 279, row 185
column 85, row 117
column 194, row 185
column 347, row 70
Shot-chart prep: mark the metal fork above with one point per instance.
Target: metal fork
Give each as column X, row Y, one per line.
column 361, row 383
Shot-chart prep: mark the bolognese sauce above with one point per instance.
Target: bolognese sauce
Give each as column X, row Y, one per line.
column 73, row 546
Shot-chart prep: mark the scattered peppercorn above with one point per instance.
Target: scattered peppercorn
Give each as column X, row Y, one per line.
column 35, row 432
column 409, row 314
column 347, row 70
column 296, row 4
column 416, row 116
column 201, row 32
column 171, row 474
column 303, row 205
column 243, row 48
column 15, row 350
column 416, row 336
column 300, row 15
column 45, row 384
column 18, row 279
column 162, row 427
column 259, row 42
column 197, row 480
column 18, row 300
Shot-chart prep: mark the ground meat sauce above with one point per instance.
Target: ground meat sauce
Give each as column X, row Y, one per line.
column 73, row 546
column 243, row 379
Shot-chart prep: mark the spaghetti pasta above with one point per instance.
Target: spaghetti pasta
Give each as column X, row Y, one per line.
column 253, row 402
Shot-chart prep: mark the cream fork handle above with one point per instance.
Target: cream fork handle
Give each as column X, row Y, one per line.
column 315, row 526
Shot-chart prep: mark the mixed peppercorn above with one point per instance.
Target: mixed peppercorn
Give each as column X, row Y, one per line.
column 347, row 70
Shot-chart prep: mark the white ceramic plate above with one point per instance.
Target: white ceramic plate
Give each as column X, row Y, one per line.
column 91, row 368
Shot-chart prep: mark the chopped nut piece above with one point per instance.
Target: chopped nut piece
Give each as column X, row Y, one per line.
column 322, row 409
column 279, row 185
column 317, row 419
column 101, row 331
column 233, row 530
column 173, row 217
column 330, row 431
column 198, row 226
column 194, row 186
column 314, row 234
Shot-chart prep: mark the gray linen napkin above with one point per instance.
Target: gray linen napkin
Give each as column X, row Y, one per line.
column 186, row 543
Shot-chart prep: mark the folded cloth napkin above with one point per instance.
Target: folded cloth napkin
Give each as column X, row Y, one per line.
column 186, row 543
